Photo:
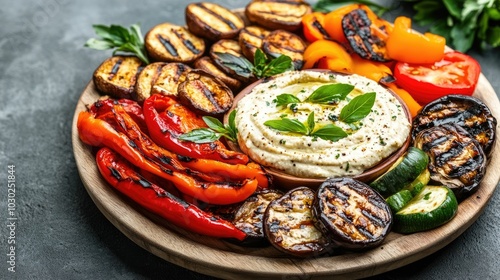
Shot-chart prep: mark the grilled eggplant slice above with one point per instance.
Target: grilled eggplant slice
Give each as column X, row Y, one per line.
column 173, row 43
column 204, row 93
column 290, row 227
column 227, row 55
column 250, row 39
column 249, row 216
column 281, row 42
column 367, row 36
column 212, row 21
column 277, row 14
column 117, row 76
column 159, row 77
column 352, row 214
column 466, row 111
column 456, row 159
column 207, row 64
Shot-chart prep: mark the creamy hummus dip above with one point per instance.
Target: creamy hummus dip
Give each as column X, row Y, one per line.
column 369, row 140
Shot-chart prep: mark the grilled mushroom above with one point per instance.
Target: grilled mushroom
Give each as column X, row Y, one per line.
column 212, row 21
column 117, row 76
column 277, row 14
column 283, row 42
column 250, row 215
column 352, row 214
column 173, row 43
column 159, row 77
column 290, row 227
column 456, row 159
column 204, row 93
column 466, row 111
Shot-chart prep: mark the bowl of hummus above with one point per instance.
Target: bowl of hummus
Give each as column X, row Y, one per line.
column 309, row 125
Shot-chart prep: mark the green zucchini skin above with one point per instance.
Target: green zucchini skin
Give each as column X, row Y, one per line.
column 413, row 164
column 425, row 220
column 399, row 200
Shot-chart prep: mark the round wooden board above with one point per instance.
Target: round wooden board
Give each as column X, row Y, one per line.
column 222, row 259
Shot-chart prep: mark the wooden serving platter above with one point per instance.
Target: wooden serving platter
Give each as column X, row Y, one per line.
column 222, row 259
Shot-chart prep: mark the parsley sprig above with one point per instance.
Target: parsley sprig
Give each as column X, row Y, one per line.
column 119, row 38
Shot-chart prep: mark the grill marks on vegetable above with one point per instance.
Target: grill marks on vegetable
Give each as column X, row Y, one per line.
column 218, row 16
column 115, row 69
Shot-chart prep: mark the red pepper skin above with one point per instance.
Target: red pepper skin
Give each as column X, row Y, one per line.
column 122, row 176
column 167, row 120
column 97, row 132
column 102, row 109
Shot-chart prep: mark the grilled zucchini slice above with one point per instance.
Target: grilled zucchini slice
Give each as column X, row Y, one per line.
column 432, row 207
column 250, row 39
column 117, row 75
column 207, row 64
column 159, row 77
column 466, row 111
column 204, row 93
column 456, row 159
column 290, row 227
column 402, row 173
column 249, row 216
column 212, row 21
column 352, row 214
column 286, row 15
column 173, row 43
column 399, row 200
column 281, row 42
column 227, row 55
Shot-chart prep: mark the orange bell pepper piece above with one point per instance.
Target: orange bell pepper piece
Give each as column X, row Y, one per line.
column 313, row 26
column 407, row 99
column 406, row 45
column 327, row 49
column 373, row 70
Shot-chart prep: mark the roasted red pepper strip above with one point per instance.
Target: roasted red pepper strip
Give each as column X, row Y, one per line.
column 167, row 119
column 121, row 175
column 97, row 132
column 102, row 109
column 230, row 172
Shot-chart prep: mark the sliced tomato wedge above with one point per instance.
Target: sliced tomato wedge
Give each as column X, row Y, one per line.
column 456, row 73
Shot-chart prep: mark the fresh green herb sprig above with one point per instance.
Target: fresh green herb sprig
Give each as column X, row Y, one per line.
column 461, row 22
column 326, row 94
column 262, row 67
column 119, row 38
column 214, row 132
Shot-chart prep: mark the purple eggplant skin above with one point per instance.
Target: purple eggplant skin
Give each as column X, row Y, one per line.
column 352, row 214
column 249, row 217
column 289, row 225
column 468, row 112
column 456, row 159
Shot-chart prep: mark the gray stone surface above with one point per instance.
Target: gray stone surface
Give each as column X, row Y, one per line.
column 60, row 233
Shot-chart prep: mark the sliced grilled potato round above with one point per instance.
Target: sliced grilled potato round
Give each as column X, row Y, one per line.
column 352, row 214
column 286, row 43
column 212, row 21
column 277, row 14
column 466, row 111
column 117, row 76
column 456, row 159
column 227, row 55
column 249, row 216
column 207, row 64
column 173, row 43
column 159, row 77
column 204, row 93
column 250, row 39
column 290, row 227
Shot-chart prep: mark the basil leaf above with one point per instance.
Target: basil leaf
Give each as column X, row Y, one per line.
column 200, row 136
column 289, row 125
column 310, row 123
column 214, row 124
column 330, row 93
column 240, row 65
column 358, row 108
column 453, row 7
column 259, row 59
column 285, row 99
column 99, row 44
column 231, row 127
column 330, row 132
column 277, row 66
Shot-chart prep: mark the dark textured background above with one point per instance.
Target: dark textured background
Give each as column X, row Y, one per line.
column 60, row 232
